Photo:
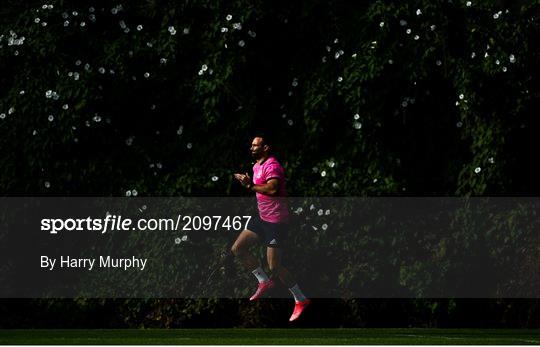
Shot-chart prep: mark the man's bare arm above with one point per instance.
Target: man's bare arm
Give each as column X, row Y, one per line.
column 269, row 188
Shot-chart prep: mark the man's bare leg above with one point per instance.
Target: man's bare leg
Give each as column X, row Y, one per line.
column 241, row 249
column 241, row 246
column 273, row 256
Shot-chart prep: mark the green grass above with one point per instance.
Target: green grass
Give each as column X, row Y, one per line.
column 271, row 336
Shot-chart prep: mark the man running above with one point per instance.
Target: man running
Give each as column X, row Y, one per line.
column 269, row 187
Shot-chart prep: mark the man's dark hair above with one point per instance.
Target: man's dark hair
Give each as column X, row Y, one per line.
column 267, row 138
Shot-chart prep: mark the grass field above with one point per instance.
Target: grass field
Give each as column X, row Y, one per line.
column 272, row 336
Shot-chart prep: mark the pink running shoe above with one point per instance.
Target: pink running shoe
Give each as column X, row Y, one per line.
column 299, row 307
column 263, row 287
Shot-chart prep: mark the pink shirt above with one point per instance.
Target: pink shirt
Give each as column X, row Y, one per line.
column 272, row 209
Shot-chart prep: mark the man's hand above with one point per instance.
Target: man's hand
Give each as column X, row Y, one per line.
column 244, row 179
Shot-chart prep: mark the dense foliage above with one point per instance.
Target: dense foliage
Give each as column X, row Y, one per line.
column 419, row 97
column 160, row 98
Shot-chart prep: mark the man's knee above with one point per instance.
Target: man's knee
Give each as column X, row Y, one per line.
column 237, row 249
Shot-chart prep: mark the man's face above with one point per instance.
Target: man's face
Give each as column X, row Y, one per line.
column 258, row 148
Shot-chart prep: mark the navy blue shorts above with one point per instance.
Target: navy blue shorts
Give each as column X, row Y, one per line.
column 272, row 234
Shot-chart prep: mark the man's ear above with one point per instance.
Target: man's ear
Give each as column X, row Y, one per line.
column 266, row 148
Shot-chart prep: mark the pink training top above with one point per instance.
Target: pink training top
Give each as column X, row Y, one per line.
column 272, row 209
